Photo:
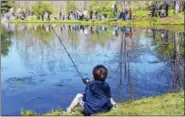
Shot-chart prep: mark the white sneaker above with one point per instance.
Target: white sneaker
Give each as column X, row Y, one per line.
column 115, row 106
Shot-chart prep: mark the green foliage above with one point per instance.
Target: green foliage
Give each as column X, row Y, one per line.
column 102, row 6
column 110, row 14
column 166, row 51
column 141, row 13
column 70, row 6
column 5, row 43
column 28, row 113
column 42, row 7
column 6, row 5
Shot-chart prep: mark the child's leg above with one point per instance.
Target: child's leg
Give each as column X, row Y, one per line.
column 75, row 102
column 113, row 102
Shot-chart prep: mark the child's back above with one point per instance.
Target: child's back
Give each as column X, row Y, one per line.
column 97, row 97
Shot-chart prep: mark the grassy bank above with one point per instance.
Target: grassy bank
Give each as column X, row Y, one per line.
column 142, row 18
column 178, row 27
column 174, row 23
column 167, row 104
column 143, row 21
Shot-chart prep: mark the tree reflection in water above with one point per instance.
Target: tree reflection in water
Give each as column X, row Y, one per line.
column 128, row 54
column 169, row 48
column 41, row 52
column 5, row 40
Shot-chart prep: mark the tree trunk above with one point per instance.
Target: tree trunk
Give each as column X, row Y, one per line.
column 85, row 5
column 176, row 66
column 42, row 16
column 121, row 64
column 177, row 6
column 123, row 5
column 48, row 16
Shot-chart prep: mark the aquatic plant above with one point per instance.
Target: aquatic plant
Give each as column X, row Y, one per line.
column 28, row 113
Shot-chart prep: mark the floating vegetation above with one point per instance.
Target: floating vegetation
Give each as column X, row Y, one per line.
column 20, row 81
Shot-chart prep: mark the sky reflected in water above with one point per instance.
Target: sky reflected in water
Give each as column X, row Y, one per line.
column 37, row 73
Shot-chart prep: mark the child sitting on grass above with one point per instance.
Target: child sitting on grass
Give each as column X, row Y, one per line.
column 97, row 97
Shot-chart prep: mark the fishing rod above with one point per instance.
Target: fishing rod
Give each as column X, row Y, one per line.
column 85, row 80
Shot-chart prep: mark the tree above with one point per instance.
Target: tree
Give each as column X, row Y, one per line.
column 70, row 6
column 102, row 7
column 42, row 7
column 177, row 6
column 85, row 5
column 123, row 5
column 6, row 5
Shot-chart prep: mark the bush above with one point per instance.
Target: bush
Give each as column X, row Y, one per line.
column 41, row 7
column 110, row 14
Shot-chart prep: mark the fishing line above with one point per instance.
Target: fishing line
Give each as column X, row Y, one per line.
column 84, row 80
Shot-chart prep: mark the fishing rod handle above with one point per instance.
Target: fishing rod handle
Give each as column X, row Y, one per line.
column 85, row 80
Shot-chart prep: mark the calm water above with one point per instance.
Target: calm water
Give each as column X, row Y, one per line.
column 37, row 74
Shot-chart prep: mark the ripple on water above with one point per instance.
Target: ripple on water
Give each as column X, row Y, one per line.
column 35, row 98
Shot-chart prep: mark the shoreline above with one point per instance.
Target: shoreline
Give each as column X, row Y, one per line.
column 155, row 23
column 106, row 22
column 166, row 104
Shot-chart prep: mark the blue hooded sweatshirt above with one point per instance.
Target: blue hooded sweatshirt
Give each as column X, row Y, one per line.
column 97, row 97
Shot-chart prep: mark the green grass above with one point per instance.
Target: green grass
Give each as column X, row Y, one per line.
column 170, row 24
column 142, row 19
column 173, row 22
column 167, row 104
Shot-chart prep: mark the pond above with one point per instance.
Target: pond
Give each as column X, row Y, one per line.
column 37, row 74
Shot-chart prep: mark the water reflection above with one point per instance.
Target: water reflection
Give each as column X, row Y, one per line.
column 141, row 62
column 33, row 41
column 170, row 50
column 5, row 40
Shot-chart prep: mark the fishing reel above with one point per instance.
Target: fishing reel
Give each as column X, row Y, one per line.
column 85, row 80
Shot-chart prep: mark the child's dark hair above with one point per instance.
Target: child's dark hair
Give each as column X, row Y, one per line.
column 100, row 72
